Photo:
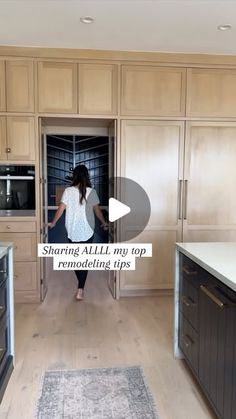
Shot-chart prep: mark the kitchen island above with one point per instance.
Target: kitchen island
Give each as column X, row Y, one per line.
column 6, row 315
column 205, row 319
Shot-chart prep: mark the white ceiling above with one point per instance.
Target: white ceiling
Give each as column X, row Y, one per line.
column 137, row 25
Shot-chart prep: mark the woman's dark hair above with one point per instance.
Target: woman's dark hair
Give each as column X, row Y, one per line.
column 81, row 178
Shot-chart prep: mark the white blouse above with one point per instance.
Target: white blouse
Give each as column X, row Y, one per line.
column 80, row 220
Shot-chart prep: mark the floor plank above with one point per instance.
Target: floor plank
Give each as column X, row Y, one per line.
column 62, row 333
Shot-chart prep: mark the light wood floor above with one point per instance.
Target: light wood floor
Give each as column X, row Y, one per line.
column 99, row 332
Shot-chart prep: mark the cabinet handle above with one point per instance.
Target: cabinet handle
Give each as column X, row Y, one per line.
column 8, row 150
column 180, row 192
column 188, row 271
column 2, row 308
column 2, row 350
column 8, row 227
column 187, row 341
column 2, row 271
column 212, row 296
column 185, row 199
column 187, row 301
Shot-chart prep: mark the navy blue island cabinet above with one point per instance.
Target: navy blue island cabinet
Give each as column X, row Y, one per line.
column 207, row 334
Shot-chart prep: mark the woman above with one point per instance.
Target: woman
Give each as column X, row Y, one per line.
column 80, row 202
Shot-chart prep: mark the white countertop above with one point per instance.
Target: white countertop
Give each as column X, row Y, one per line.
column 4, row 247
column 217, row 258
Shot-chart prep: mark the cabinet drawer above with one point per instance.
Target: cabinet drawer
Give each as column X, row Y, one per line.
column 3, row 298
column 189, row 303
column 17, row 226
column 4, row 343
column 190, row 270
column 3, row 269
column 189, row 342
column 25, row 278
column 24, row 245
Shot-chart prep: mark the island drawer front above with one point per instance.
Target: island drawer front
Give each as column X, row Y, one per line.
column 3, row 298
column 188, row 339
column 17, row 226
column 3, row 269
column 191, row 271
column 189, row 303
column 24, row 245
column 3, row 343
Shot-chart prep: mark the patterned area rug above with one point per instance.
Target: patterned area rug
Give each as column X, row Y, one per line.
column 107, row 393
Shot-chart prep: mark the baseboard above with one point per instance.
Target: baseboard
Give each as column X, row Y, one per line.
column 147, row 293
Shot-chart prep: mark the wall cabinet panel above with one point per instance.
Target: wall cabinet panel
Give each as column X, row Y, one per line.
column 211, row 92
column 210, row 178
column 152, row 91
column 3, row 138
column 25, row 278
column 20, row 86
column 20, row 138
column 151, row 155
column 97, row 89
column 57, row 87
column 2, row 87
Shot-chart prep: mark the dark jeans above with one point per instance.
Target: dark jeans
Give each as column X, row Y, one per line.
column 81, row 275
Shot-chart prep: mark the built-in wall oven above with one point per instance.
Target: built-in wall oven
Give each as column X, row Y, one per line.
column 17, row 190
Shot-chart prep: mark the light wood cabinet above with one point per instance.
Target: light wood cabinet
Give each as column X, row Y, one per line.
column 2, row 87
column 20, row 138
column 17, row 226
column 57, row 87
column 24, row 245
column 211, row 92
column 210, row 179
column 23, row 236
column 20, row 86
column 17, row 138
column 97, row 89
column 152, row 155
column 3, row 138
column 152, row 91
column 25, row 279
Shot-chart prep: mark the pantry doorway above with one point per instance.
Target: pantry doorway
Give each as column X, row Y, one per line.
column 66, row 143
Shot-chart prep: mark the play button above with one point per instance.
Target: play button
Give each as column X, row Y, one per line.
column 117, row 209
column 129, row 208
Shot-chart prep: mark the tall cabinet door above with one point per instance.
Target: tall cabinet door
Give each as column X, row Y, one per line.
column 151, row 155
column 209, row 182
column 3, row 138
column 2, row 87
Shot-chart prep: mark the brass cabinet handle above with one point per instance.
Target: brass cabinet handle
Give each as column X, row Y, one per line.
column 180, row 192
column 188, row 271
column 8, row 150
column 8, row 227
column 212, row 297
column 187, row 341
column 185, row 199
column 187, row 301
